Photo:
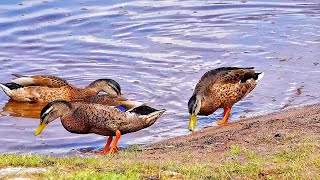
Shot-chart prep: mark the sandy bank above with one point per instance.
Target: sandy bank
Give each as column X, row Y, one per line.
column 263, row 134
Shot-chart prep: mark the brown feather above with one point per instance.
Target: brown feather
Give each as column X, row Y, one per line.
column 49, row 81
column 46, row 94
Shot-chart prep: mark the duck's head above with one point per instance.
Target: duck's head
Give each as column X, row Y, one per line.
column 108, row 86
column 51, row 112
column 194, row 105
column 148, row 114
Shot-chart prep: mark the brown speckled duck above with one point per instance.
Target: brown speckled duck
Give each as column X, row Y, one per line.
column 98, row 119
column 43, row 88
column 221, row 88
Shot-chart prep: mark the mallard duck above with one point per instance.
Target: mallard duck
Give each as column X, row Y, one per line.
column 221, row 88
column 98, row 119
column 43, row 88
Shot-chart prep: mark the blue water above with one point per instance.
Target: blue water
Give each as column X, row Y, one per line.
column 157, row 51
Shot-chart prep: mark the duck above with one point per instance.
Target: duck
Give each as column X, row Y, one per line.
column 46, row 88
column 98, row 119
column 221, row 88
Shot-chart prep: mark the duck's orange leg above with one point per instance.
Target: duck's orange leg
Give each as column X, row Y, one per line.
column 225, row 117
column 106, row 147
column 114, row 146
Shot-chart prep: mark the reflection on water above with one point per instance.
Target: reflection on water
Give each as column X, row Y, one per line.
column 22, row 109
column 157, row 52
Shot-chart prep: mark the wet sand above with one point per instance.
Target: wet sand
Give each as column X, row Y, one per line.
column 263, row 135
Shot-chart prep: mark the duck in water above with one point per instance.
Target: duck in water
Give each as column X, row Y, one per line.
column 44, row 88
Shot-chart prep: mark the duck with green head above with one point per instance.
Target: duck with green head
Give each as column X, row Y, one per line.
column 98, row 119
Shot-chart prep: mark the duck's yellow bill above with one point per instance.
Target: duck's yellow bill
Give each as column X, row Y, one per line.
column 193, row 122
column 40, row 128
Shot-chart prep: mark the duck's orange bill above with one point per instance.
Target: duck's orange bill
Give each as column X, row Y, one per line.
column 193, row 122
column 40, row 128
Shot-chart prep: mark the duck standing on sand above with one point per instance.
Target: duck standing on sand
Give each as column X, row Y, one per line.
column 44, row 88
column 98, row 119
column 221, row 88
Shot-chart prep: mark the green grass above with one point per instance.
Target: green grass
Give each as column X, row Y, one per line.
column 296, row 162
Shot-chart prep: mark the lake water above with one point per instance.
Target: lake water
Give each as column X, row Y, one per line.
column 157, row 51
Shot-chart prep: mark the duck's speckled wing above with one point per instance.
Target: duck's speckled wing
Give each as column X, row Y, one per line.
column 41, row 94
column 221, row 75
column 40, row 80
column 233, row 85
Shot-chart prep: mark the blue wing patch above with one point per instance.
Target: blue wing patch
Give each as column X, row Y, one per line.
column 121, row 108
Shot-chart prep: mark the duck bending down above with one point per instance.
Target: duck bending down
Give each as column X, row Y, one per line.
column 221, row 88
column 44, row 88
column 98, row 119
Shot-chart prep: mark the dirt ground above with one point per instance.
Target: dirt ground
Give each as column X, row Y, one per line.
column 263, row 135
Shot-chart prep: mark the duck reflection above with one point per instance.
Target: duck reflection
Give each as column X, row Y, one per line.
column 22, row 109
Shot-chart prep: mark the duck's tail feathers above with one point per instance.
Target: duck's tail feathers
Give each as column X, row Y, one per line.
column 131, row 104
column 6, row 89
column 24, row 81
column 259, row 76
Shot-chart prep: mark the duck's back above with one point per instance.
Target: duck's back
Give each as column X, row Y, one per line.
column 221, row 75
column 41, row 80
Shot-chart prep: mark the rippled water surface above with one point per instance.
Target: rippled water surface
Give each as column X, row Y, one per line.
column 157, row 51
